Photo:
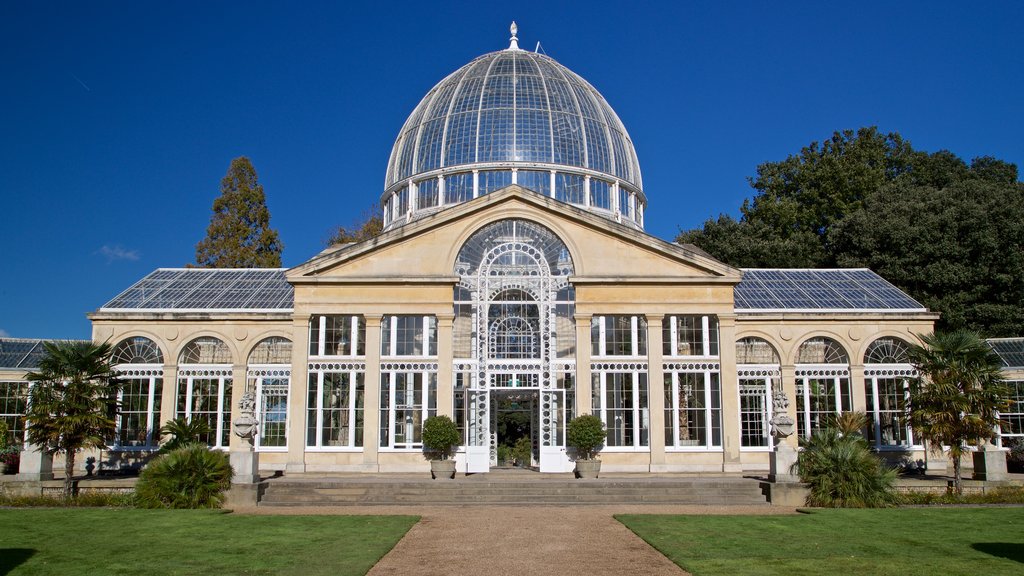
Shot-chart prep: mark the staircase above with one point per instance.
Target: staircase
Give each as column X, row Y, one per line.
column 500, row 489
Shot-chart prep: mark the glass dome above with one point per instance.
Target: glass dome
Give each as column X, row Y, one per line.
column 513, row 117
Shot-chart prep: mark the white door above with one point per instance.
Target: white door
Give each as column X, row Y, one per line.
column 552, row 432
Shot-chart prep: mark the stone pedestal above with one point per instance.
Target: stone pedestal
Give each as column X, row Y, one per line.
column 246, row 464
column 990, row 464
column 36, row 465
column 781, row 464
column 242, row 496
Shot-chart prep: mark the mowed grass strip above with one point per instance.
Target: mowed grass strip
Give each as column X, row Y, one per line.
column 897, row 541
column 193, row 542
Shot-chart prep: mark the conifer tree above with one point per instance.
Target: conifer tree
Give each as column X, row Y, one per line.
column 239, row 235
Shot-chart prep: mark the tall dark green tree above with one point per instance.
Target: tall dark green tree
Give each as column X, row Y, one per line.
column 239, row 235
column 948, row 233
column 958, row 249
column 72, row 402
column 798, row 199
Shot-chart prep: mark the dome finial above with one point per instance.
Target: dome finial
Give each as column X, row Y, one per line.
column 513, row 41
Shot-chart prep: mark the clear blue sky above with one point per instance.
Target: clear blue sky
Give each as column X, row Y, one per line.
column 118, row 119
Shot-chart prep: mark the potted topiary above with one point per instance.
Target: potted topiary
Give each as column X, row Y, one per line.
column 586, row 434
column 440, row 439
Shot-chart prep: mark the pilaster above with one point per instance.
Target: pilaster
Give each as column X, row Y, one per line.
column 297, row 396
column 371, row 402
column 583, row 383
column 445, row 360
column 730, row 394
column 656, row 391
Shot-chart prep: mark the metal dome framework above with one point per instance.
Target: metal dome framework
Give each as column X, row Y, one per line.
column 513, row 117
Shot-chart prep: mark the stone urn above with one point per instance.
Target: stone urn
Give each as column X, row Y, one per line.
column 588, row 468
column 442, row 469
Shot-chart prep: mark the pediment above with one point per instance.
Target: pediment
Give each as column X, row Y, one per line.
column 425, row 250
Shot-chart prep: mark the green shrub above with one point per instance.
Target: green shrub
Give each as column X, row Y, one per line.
column 586, row 434
column 522, row 452
column 189, row 477
column 440, row 437
column 504, row 453
column 842, row 472
column 1015, row 456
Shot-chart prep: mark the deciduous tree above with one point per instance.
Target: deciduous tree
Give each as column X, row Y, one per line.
column 369, row 225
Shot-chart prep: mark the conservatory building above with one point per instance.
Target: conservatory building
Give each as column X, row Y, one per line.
column 513, row 287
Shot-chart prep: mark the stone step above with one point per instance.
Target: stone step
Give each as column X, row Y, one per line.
column 347, row 491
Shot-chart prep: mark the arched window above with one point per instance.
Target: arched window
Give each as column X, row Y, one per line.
column 887, row 378
column 139, row 364
column 822, row 384
column 204, row 387
column 758, row 372
column 513, row 326
column 887, row 350
column 205, row 350
column 137, row 350
column 269, row 375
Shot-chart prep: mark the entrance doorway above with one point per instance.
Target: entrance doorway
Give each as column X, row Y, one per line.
column 514, row 340
column 514, row 428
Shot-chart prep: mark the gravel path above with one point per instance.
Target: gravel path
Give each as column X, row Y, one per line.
column 515, row 540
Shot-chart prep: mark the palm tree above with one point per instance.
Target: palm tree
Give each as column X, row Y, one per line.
column 184, row 432
column 72, row 401
column 958, row 400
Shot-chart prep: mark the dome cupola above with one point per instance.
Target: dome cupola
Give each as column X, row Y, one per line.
column 513, row 117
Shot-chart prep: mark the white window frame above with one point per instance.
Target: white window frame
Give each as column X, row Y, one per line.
column 641, row 414
column 674, row 370
column 388, row 377
column 354, row 371
column 807, row 372
column 149, row 373
column 763, row 376
column 257, row 373
column 187, row 374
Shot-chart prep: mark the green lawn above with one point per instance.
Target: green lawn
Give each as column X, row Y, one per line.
column 193, row 542
column 970, row 541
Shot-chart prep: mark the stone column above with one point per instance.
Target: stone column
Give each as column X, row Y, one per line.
column 656, row 393
column 858, row 394
column 730, row 394
column 371, row 401
column 445, row 379
column 239, row 384
column 583, row 383
column 168, row 397
column 297, row 395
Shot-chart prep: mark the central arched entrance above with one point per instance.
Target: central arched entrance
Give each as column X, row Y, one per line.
column 514, row 340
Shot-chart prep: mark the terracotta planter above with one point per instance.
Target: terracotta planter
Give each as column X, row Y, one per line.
column 442, row 469
column 588, row 468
